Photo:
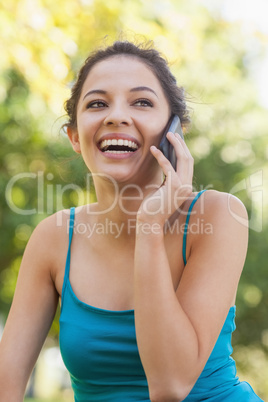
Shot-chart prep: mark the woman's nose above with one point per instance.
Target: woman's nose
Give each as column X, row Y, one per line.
column 117, row 116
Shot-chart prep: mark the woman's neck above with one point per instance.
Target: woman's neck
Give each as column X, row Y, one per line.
column 118, row 204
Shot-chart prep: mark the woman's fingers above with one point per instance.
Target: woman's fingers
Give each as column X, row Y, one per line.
column 162, row 160
column 184, row 157
column 185, row 162
column 178, row 184
column 178, row 144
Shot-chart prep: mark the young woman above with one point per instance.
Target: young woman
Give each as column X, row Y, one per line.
column 147, row 297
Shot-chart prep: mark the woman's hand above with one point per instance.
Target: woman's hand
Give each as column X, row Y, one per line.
column 176, row 188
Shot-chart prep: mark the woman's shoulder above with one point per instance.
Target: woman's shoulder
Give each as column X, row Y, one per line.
column 216, row 213
column 54, row 226
column 49, row 240
column 52, row 232
column 213, row 204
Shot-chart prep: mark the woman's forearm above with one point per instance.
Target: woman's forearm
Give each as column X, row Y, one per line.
column 10, row 390
column 167, row 341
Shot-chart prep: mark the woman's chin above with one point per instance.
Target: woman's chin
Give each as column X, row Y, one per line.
column 125, row 173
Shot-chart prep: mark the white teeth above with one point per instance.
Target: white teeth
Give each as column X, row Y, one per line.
column 126, row 143
column 118, row 152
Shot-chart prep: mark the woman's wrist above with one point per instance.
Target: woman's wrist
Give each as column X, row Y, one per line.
column 149, row 227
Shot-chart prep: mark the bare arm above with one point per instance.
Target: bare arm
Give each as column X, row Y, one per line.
column 32, row 312
column 178, row 328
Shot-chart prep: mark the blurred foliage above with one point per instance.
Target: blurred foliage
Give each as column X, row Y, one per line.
column 44, row 42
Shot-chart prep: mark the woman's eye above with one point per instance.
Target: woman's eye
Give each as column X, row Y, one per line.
column 143, row 102
column 96, row 104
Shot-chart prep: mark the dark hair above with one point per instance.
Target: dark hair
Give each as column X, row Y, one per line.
column 148, row 55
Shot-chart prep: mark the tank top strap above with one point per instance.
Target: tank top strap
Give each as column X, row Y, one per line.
column 184, row 241
column 68, row 258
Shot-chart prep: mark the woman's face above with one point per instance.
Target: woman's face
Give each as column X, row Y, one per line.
column 122, row 111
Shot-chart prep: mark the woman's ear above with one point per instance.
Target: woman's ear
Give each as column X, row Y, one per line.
column 74, row 139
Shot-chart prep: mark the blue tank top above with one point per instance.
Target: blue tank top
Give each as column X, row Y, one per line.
column 99, row 349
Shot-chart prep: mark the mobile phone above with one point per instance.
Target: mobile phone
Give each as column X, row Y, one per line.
column 174, row 125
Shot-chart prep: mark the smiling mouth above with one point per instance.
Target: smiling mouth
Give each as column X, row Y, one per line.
column 118, row 146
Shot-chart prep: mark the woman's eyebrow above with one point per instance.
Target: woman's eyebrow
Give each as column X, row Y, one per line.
column 95, row 91
column 143, row 88
column 136, row 89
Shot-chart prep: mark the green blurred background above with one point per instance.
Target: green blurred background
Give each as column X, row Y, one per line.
column 215, row 53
